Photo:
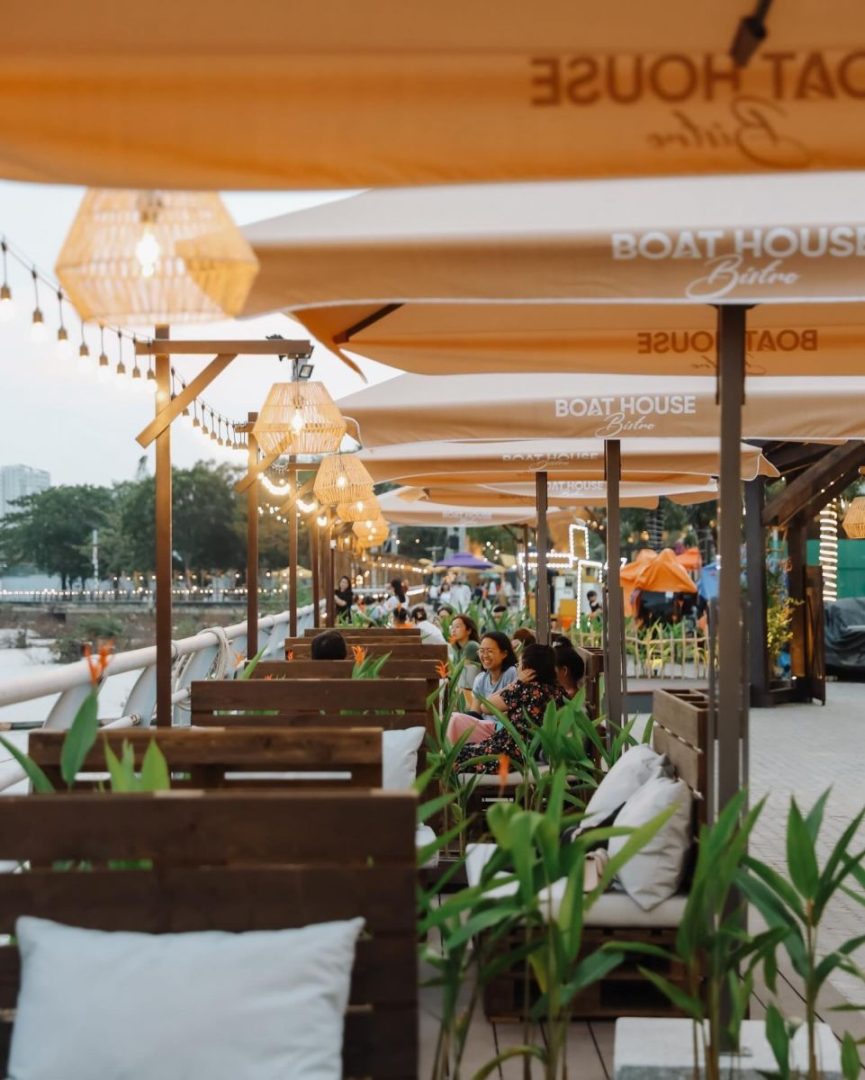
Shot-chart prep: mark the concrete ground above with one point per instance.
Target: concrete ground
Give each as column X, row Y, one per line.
column 802, row 750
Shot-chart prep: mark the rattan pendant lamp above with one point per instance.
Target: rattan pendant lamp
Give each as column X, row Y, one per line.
column 299, row 418
column 359, row 510
column 371, row 531
column 854, row 520
column 342, row 478
column 152, row 259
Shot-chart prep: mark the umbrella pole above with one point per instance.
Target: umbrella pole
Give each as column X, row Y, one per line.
column 732, row 707
column 292, row 551
column 614, row 615
column 252, row 546
column 542, row 602
column 164, row 542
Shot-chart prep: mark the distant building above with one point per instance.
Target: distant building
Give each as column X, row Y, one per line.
column 17, row 481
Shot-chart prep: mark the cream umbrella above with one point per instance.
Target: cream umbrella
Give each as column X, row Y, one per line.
column 408, row 506
column 302, row 95
column 634, row 409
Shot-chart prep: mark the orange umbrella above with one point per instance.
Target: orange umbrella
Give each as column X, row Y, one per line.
column 175, row 94
column 630, row 572
column 664, row 574
column 690, row 559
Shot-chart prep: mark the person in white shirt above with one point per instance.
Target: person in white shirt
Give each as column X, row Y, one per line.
column 430, row 634
column 461, row 596
column 397, row 597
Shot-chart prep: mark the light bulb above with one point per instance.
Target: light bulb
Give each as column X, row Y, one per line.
column 83, row 358
column 7, row 304
column 148, row 252
column 359, row 506
column 322, row 521
column 150, row 381
column 341, row 480
column 297, row 422
column 136, row 377
column 103, row 371
column 38, row 333
column 64, row 345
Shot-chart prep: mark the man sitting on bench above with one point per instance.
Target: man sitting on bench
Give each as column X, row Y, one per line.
column 329, row 645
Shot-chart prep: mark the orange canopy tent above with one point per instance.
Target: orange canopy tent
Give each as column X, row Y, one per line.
column 174, row 94
column 690, row 559
column 664, row 574
column 629, row 574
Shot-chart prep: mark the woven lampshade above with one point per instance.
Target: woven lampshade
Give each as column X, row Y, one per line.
column 371, row 531
column 359, row 510
column 854, row 520
column 145, row 258
column 342, row 479
column 299, row 418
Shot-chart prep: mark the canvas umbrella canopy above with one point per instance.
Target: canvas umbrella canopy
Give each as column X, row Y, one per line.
column 175, row 95
column 464, row 560
column 586, row 493
column 629, row 574
column 404, row 507
column 574, row 459
column 592, row 407
column 664, row 574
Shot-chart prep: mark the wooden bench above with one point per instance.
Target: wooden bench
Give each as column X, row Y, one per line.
column 594, row 662
column 230, row 758
column 277, row 878
column 354, row 632
column 401, row 650
column 681, row 732
column 395, row 668
column 317, row 703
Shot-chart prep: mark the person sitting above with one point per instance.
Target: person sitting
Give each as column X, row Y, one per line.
column 328, row 645
column 430, row 634
column 595, row 609
column 561, row 641
column 464, row 649
column 522, row 637
column 570, row 670
column 499, row 670
column 344, row 597
column 400, row 619
column 523, row 703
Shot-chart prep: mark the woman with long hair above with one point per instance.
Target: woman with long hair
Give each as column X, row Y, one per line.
column 397, row 597
column 463, row 634
column 344, row 597
column 499, row 670
column 523, row 703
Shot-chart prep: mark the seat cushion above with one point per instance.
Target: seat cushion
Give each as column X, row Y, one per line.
column 631, row 771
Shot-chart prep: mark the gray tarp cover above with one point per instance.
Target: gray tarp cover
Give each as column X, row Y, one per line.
column 845, row 637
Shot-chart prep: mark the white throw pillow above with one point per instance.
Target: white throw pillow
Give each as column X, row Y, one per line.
column 399, row 757
column 630, row 772
column 263, row 1005
column 655, row 873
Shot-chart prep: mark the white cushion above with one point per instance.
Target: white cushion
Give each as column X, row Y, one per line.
column 262, row 1005
column 399, row 757
column 609, row 910
column 631, row 771
column 425, row 835
column 655, row 872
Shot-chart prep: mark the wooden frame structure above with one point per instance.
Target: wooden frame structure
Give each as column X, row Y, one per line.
column 354, row 856
column 158, row 431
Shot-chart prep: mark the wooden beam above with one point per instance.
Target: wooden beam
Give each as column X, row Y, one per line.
column 755, row 545
column 164, row 543
column 255, row 471
column 296, row 350
column 252, row 553
column 827, row 494
column 805, row 488
column 176, row 405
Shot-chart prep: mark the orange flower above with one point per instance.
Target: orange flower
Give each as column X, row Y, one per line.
column 289, row 654
column 443, row 669
column 239, row 658
column 359, row 653
column 98, row 663
column 267, row 678
column 504, row 771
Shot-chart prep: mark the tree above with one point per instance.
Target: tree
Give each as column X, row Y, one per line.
column 53, row 530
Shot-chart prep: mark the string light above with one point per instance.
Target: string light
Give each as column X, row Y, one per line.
column 83, row 354
column 121, row 367
column 150, row 381
column 64, row 345
column 7, row 304
column 38, row 333
column 829, row 550
column 102, row 370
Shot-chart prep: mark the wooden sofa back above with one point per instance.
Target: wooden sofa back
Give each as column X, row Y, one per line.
column 362, row 633
column 318, row 703
column 404, row 650
column 680, row 730
column 231, row 757
column 354, row 856
column 395, row 668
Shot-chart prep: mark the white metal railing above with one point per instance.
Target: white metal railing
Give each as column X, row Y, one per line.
column 217, row 652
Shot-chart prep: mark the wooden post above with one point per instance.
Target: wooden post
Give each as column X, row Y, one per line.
column 329, row 543
column 314, row 546
column 292, row 551
column 542, row 599
column 755, row 547
column 526, row 575
column 797, row 547
column 164, row 542
column 614, row 613
column 252, row 548
column 732, row 707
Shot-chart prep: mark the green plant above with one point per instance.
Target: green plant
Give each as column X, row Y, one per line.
column 794, row 905
column 367, row 667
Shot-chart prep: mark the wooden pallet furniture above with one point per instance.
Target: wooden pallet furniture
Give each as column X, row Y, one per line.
column 233, row 758
column 352, row 632
column 594, row 661
column 300, row 648
column 394, row 668
column 681, row 731
column 223, row 845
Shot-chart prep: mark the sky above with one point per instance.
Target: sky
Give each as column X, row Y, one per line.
column 55, row 417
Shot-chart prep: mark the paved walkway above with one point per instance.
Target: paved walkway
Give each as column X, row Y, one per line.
column 802, row 750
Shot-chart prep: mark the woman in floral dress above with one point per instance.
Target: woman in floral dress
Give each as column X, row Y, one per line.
column 524, row 703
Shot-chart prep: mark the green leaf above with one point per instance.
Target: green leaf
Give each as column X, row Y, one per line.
column 120, row 778
column 41, row 784
column 252, row 665
column 778, row 1038
column 850, row 1064
column 801, row 854
column 154, row 770
column 690, row 1006
column 79, row 739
